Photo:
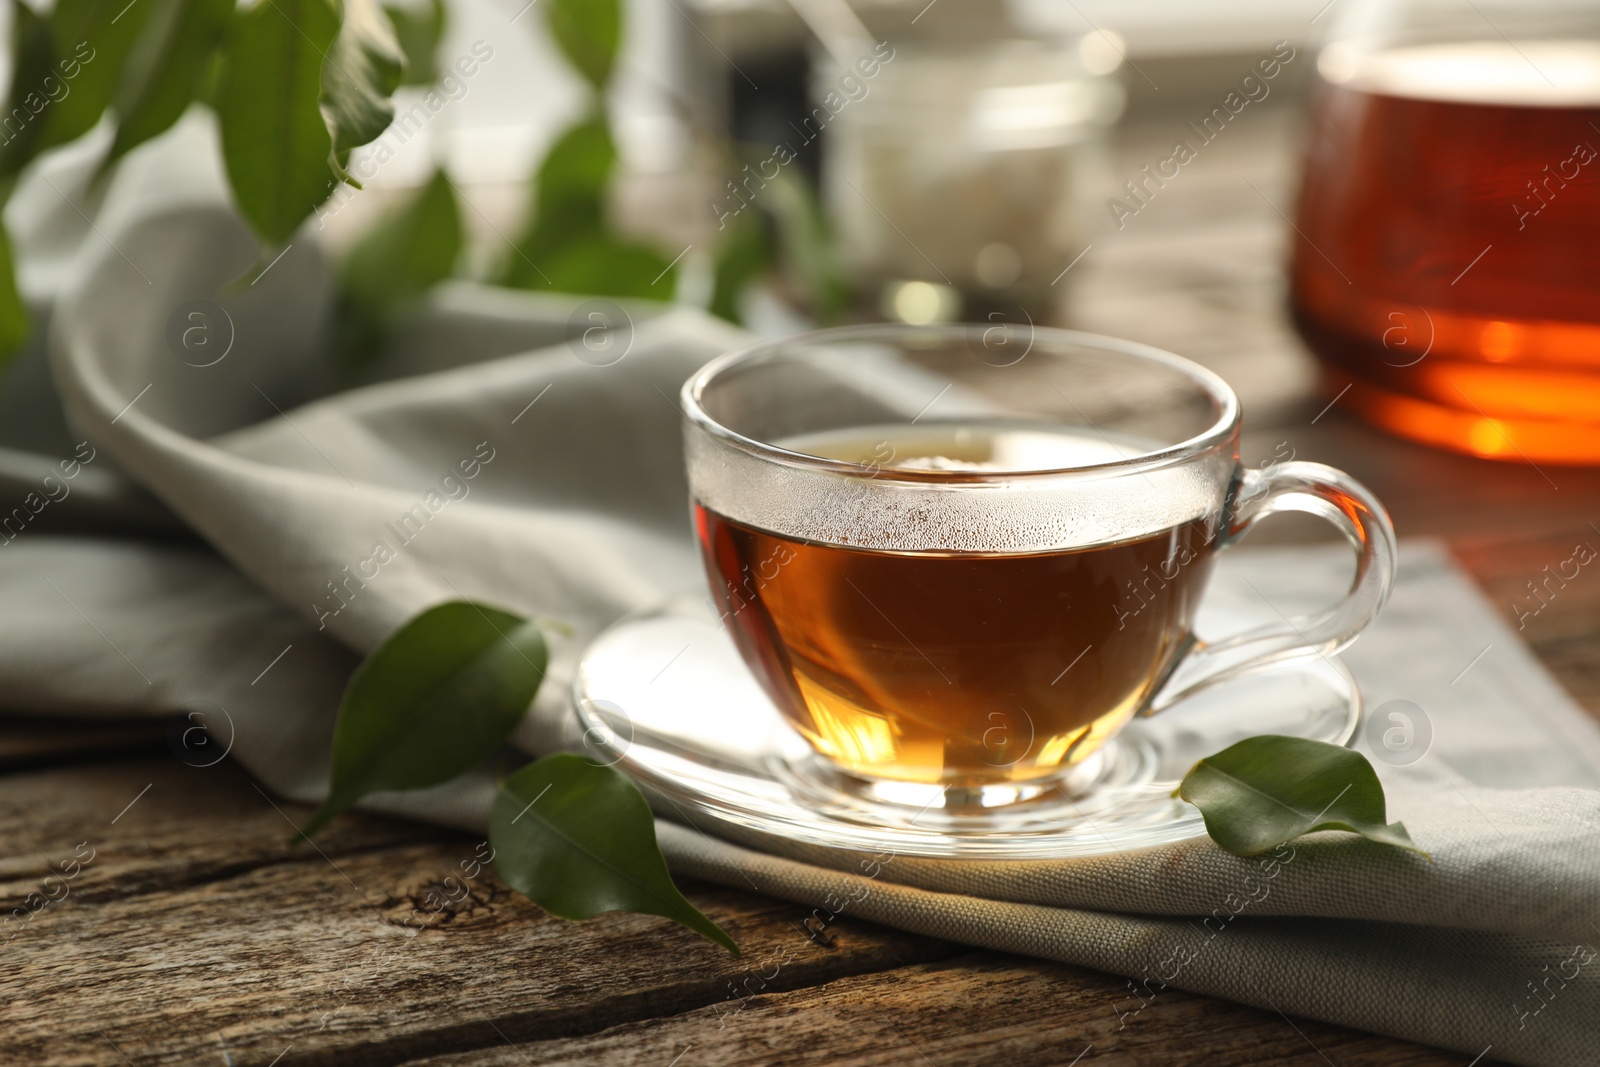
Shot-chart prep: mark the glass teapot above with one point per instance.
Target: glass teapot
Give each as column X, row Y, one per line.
column 1446, row 268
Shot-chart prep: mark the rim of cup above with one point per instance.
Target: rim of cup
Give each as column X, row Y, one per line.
column 1221, row 395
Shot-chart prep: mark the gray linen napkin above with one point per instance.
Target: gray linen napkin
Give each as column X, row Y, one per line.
column 575, row 514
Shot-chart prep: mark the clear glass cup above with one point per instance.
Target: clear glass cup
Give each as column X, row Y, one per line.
column 964, row 557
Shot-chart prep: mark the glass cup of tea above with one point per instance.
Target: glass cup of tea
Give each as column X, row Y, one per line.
column 964, row 557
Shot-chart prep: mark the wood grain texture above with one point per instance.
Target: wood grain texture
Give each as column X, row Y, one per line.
column 27, row 741
column 195, row 926
column 196, row 933
column 156, row 825
column 977, row 1009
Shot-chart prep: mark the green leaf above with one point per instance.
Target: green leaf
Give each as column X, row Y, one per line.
column 396, row 261
column 362, row 71
column 13, row 312
column 32, row 62
column 163, row 72
column 806, row 249
column 431, row 702
column 745, row 255
column 274, row 141
column 419, row 34
column 94, row 36
column 578, row 839
column 588, row 33
column 567, row 246
column 1263, row 791
column 410, row 250
column 568, row 202
column 606, row 266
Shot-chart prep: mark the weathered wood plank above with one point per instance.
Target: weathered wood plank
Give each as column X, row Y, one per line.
column 195, row 931
column 41, row 742
column 153, row 825
column 295, row 957
column 977, row 1009
column 189, row 927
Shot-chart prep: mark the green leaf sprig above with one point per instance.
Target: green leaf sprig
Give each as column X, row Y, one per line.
column 1264, row 791
column 296, row 84
column 359, row 75
column 109, row 29
column 568, row 244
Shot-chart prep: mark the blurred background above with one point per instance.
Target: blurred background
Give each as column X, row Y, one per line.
column 1390, row 205
column 961, row 179
column 1006, row 160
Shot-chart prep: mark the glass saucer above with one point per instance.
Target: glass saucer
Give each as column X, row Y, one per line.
column 666, row 698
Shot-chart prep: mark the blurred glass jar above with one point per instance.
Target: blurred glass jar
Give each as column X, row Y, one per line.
column 955, row 183
column 1447, row 266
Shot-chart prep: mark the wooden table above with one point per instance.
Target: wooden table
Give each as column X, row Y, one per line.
column 197, row 934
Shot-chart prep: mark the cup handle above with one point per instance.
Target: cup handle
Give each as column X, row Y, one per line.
column 1318, row 490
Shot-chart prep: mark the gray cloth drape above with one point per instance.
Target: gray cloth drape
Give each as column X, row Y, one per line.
column 200, row 557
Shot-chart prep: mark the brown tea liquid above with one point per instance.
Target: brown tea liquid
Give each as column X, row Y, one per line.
column 955, row 668
column 1446, row 265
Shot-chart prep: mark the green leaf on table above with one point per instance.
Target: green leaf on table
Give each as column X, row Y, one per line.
column 1263, row 791
column 163, row 72
column 362, row 71
column 432, row 701
column 588, row 33
column 13, row 312
column 398, row 259
column 275, row 143
column 32, row 61
column 91, row 37
column 419, row 33
column 578, row 839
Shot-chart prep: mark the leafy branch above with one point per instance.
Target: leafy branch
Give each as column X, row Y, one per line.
column 296, row 85
column 568, row 243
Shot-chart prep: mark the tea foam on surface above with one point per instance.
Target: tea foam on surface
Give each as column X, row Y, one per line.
column 887, row 503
